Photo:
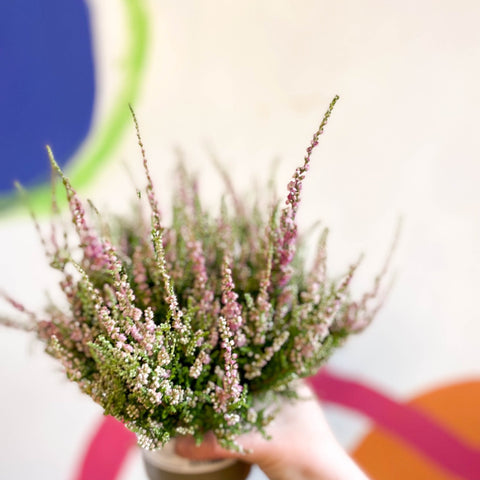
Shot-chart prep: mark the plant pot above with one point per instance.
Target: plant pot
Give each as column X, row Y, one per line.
column 164, row 464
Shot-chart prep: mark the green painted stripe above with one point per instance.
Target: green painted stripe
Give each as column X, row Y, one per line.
column 107, row 138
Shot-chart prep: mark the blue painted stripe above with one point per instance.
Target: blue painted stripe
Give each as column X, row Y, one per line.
column 47, row 85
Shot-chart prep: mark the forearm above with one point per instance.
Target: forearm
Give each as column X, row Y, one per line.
column 333, row 463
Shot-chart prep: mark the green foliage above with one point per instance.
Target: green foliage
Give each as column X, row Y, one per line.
column 200, row 325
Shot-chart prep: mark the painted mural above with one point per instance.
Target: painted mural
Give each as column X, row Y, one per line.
column 51, row 99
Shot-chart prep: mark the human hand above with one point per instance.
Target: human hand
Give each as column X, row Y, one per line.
column 302, row 446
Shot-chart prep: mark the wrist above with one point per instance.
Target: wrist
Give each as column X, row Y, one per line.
column 335, row 464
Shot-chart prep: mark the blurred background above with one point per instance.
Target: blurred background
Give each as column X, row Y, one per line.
column 250, row 80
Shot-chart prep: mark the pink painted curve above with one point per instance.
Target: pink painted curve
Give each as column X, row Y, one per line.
column 407, row 423
column 106, row 452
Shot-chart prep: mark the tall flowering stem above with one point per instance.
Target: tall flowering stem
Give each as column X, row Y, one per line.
column 152, row 199
column 288, row 226
column 94, row 254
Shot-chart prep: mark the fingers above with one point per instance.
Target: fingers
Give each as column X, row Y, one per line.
column 209, row 449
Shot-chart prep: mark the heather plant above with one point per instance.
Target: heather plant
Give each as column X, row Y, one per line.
column 195, row 326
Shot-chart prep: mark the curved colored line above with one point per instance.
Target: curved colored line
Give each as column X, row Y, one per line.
column 405, row 422
column 106, row 452
column 108, row 136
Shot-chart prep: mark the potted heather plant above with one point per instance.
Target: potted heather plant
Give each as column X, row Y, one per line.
column 194, row 327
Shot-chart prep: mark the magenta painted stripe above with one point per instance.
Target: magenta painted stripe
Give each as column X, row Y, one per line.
column 106, row 451
column 405, row 422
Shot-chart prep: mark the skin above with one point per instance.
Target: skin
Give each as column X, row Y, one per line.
column 302, row 446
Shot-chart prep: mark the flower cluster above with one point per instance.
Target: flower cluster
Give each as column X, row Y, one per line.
column 184, row 329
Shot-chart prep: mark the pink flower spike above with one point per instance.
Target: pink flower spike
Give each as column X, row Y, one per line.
column 285, row 250
column 94, row 254
column 231, row 310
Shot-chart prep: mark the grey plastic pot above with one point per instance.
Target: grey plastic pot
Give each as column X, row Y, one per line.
column 164, row 464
